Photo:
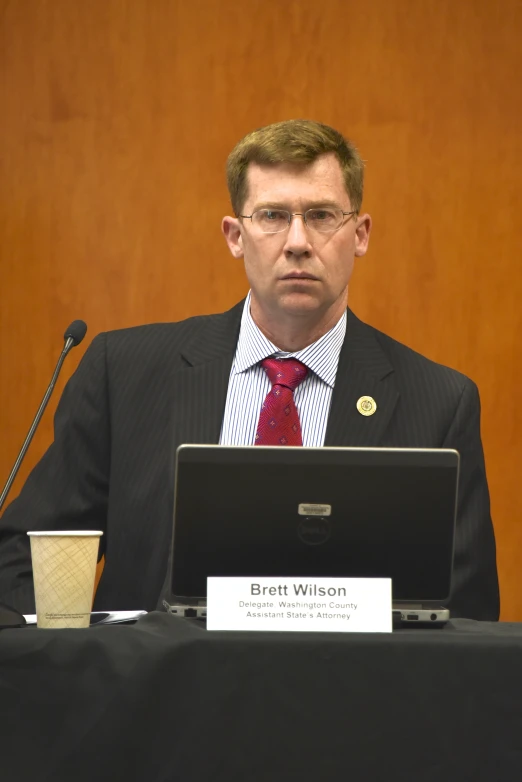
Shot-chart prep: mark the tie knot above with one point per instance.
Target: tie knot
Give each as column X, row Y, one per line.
column 287, row 372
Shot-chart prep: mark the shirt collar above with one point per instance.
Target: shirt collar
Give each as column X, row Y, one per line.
column 322, row 356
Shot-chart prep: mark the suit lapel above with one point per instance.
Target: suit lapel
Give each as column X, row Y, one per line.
column 364, row 370
column 200, row 388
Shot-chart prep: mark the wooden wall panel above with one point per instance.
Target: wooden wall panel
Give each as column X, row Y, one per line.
column 117, row 116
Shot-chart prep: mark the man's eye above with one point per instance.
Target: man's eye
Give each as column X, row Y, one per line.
column 320, row 215
column 273, row 214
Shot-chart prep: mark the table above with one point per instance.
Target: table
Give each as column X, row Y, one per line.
column 166, row 700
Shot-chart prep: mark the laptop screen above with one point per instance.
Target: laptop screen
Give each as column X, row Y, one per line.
column 312, row 512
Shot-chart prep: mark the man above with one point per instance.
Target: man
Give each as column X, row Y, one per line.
column 296, row 189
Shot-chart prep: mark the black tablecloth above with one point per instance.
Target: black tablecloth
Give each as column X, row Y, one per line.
column 166, row 700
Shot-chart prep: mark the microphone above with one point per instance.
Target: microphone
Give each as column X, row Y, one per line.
column 76, row 332
column 72, row 337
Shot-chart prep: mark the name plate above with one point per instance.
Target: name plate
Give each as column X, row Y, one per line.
column 334, row 605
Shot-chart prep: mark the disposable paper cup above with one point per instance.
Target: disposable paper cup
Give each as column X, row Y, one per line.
column 64, row 567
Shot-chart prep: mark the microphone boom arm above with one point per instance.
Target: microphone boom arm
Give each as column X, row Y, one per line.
column 70, row 342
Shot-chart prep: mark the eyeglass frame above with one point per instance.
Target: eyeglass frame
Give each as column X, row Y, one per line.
column 299, row 214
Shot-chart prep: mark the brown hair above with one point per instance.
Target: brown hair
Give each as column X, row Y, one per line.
column 293, row 141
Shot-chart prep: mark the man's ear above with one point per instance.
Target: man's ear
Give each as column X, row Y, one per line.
column 362, row 234
column 231, row 228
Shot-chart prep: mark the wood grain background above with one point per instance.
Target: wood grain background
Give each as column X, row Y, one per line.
column 118, row 115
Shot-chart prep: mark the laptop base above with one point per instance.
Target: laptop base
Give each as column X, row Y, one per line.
column 402, row 617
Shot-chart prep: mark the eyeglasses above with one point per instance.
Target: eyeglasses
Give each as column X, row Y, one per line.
column 273, row 221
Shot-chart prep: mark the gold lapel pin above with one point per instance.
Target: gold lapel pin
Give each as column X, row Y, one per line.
column 366, row 405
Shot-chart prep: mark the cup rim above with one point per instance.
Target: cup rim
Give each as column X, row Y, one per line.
column 85, row 533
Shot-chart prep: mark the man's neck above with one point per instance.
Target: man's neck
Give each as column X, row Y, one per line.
column 291, row 334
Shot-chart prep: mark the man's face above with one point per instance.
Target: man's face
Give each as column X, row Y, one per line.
column 300, row 272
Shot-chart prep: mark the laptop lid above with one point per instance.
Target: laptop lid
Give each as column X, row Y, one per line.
column 333, row 512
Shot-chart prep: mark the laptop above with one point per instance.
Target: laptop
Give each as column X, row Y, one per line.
column 316, row 512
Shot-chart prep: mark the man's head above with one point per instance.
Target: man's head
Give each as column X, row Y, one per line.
column 298, row 141
column 296, row 190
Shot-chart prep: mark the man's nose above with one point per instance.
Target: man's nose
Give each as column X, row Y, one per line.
column 297, row 240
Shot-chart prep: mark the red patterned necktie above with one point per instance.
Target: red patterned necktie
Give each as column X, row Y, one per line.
column 279, row 420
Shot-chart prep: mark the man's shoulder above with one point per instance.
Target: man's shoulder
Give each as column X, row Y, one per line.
column 167, row 336
column 152, row 332
column 410, row 364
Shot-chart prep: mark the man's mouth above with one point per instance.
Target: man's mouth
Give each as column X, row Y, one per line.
column 299, row 276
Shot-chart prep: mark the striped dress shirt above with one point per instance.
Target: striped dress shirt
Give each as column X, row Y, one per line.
column 248, row 384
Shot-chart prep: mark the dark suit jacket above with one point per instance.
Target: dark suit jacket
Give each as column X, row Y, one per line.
column 139, row 393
